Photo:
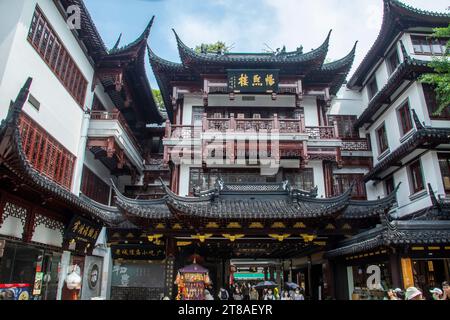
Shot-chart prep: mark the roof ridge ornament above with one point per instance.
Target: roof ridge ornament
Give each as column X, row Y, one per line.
column 419, row 125
column 116, row 46
column 434, row 200
column 406, row 56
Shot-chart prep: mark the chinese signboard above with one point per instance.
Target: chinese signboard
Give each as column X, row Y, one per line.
column 138, row 275
column 138, row 252
column 82, row 234
column 253, row 81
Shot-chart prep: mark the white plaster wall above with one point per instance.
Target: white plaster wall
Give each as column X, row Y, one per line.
column 390, row 118
column 12, row 227
column 319, row 179
column 184, row 180
column 47, row 236
column 310, row 106
column 432, row 175
column 59, row 113
column 189, row 102
column 10, row 12
column 347, row 102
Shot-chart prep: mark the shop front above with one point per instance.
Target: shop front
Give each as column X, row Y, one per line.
column 28, row 272
column 398, row 254
column 82, row 270
column 138, row 272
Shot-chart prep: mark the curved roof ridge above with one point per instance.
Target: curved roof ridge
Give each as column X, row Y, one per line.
column 345, row 61
column 390, row 10
column 142, row 39
column 21, row 167
column 157, row 60
column 185, row 51
column 416, row 10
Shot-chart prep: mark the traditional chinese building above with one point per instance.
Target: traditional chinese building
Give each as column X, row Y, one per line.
column 80, row 120
column 262, row 164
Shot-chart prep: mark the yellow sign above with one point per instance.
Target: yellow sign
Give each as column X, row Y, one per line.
column 407, row 272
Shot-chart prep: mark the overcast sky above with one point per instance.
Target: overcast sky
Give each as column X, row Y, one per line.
column 247, row 25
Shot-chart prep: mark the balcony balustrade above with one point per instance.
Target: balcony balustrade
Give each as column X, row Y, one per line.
column 245, row 125
column 355, row 145
column 105, row 126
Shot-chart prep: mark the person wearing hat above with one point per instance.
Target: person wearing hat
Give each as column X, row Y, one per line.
column 437, row 294
column 412, row 293
column 399, row 293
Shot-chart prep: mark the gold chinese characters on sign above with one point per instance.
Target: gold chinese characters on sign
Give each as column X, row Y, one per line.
column 253, row 81
column 81, row 229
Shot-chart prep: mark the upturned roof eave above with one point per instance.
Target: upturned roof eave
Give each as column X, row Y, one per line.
column 393, row 11
column 15, row 160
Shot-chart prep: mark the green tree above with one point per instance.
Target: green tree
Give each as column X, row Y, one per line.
column 218, row 47
column 441, row 78
column 158, row 99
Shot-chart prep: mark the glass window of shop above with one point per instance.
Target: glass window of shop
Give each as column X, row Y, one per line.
column 20, row 264
column 429, row 274
column 364, row 282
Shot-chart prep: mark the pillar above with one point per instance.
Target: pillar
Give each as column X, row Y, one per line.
column 341, row 281
column 171, row 250
column 78, row 171
column 395, row 270
column 310, row 289
column 64, row 268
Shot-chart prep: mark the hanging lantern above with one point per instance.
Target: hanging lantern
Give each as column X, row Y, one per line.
column 73, row 280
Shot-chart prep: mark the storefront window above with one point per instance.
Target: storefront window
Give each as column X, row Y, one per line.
column 18, row 264
column 361, row 274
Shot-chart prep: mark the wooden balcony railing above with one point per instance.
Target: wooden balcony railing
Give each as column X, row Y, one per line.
column 243, row 125
column 321, row 132
column 116, row 115
column 355, row 145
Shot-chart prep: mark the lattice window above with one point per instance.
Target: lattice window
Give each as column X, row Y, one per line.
column 49, row 223
column 342, row 182
column 94, row 187
column 44, row 39
column 46, row 154
column 13, row 210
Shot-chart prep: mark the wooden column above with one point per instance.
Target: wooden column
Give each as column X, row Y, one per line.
column 395, row 269
column 328, row 177
column 174, row 180
column 28, row 229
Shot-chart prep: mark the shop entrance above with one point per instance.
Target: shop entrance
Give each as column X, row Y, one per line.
column 429, row 274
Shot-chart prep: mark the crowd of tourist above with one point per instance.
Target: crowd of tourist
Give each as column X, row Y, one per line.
column 413, row 293
column 247, row 291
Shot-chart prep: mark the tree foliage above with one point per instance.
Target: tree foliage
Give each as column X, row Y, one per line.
column 158, row 99
column 441, row 78
column 218, row 47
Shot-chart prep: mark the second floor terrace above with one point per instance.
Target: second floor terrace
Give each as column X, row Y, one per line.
column 292, row 137
column 113, row 142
